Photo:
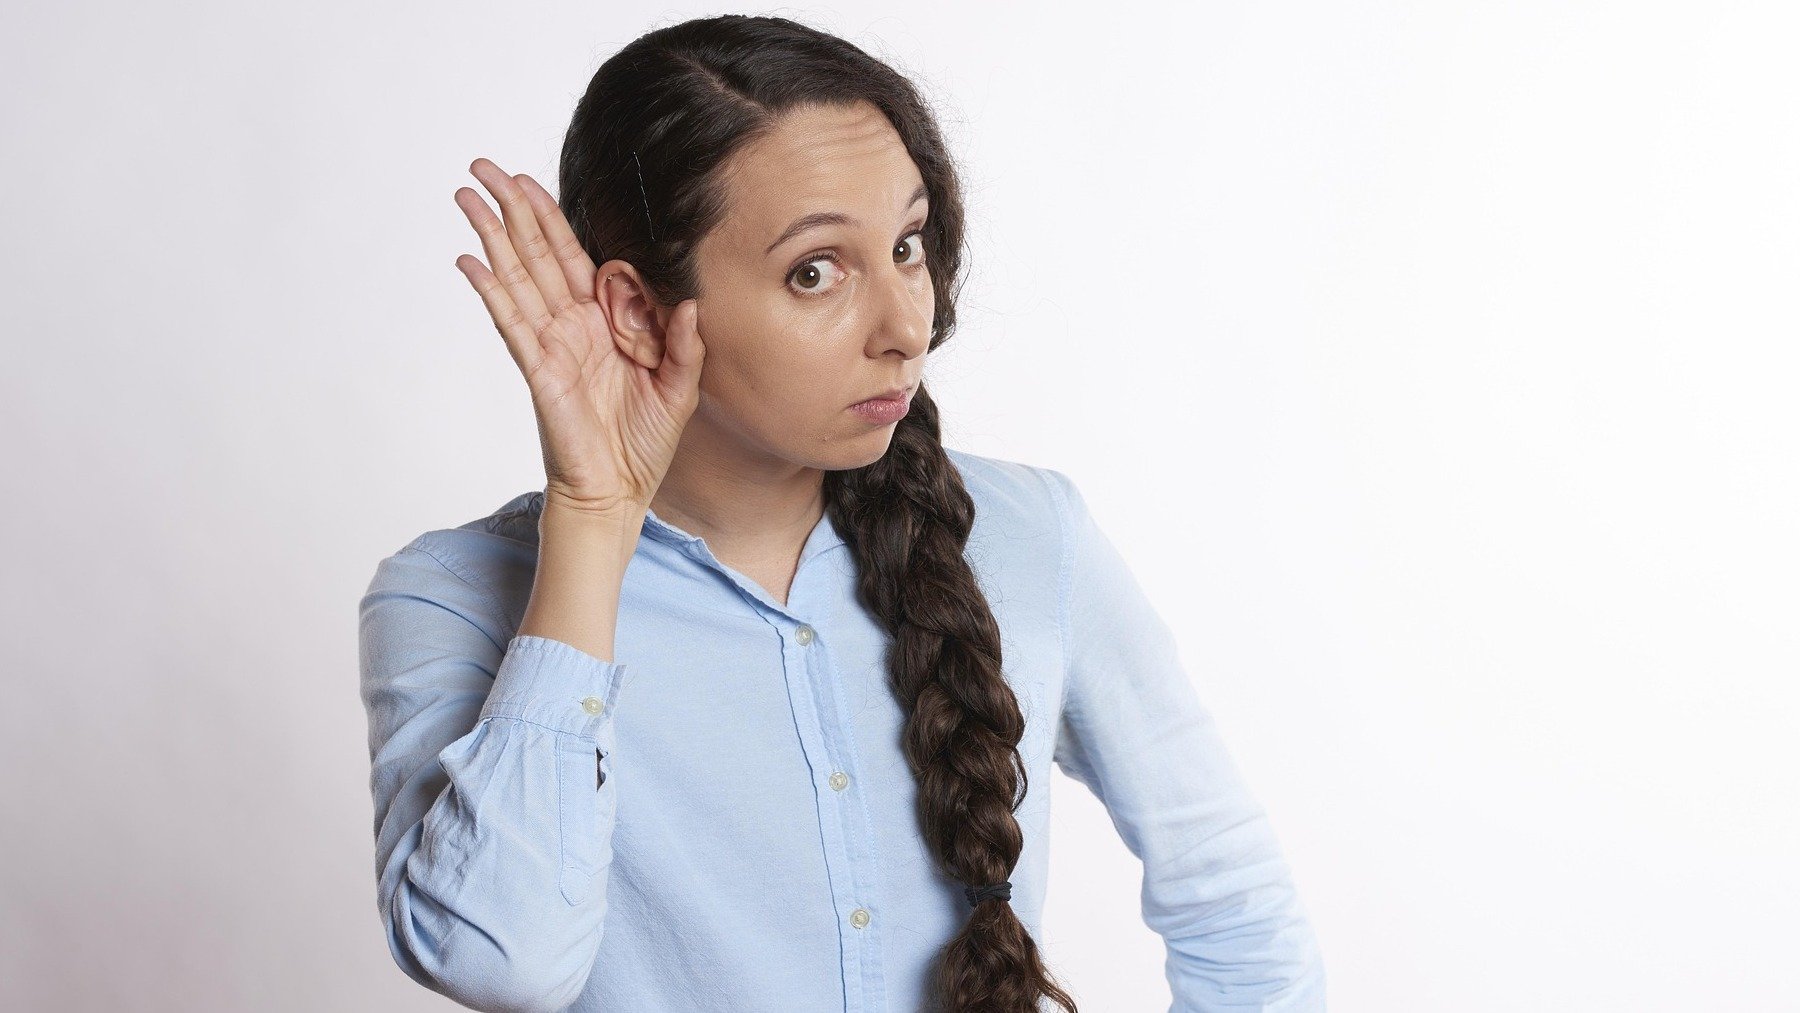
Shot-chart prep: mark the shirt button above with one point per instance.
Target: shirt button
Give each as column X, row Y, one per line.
column 804, row 634
column 859, row 918
column 592, row 705
column 839, row 779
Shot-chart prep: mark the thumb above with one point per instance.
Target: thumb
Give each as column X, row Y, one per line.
column 683, row 353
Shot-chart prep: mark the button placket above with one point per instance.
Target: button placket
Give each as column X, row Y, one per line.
column 838, row 780
column 808, row 659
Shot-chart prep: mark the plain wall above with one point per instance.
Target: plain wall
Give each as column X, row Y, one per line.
column 1433, row 365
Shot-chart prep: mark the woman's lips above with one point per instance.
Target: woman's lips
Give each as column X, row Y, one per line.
column 884, row 410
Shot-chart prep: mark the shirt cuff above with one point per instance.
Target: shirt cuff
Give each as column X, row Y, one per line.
column 551, row 683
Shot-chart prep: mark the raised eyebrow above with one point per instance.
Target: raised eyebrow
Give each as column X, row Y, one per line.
column 820, row 218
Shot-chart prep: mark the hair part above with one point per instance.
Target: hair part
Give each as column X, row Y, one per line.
column 641, row 181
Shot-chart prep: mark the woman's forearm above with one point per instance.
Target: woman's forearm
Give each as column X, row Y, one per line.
column 582, row 557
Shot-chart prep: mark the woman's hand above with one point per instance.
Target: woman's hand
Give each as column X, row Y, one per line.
column 609, row 426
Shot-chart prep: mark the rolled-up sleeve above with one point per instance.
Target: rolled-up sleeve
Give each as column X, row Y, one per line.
column 1216, row 886
column 494, row 812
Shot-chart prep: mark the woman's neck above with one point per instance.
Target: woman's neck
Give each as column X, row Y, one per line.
column 755, row 515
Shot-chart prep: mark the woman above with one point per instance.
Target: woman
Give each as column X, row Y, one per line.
column 852, row 652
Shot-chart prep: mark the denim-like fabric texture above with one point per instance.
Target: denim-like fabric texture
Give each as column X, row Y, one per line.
column 722, row 819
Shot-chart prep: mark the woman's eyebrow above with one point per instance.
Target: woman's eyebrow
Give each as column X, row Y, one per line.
column 818, row 218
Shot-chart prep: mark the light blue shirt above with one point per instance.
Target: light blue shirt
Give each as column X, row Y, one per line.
column 721, row 818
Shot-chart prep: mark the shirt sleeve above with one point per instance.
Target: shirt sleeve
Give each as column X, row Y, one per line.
column 1216, row 886
column 494, row 810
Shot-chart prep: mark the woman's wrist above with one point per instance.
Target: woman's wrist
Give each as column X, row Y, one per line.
column 582, row 557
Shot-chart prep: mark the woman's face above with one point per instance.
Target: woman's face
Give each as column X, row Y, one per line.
column 802, row 322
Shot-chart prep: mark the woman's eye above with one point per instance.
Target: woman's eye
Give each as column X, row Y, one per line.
column 918, row 243
column 810, row 277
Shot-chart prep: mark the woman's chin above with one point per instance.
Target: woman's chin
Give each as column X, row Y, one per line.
column 858, row 451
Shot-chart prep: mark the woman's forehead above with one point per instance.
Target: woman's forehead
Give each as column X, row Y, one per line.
column 819, row 160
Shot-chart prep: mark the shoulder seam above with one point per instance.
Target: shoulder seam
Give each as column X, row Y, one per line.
column 461, row 573
column 1065, row 577
column 500, row 518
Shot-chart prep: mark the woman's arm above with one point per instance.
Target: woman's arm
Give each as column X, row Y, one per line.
column 1216, row 886
column 493, row 809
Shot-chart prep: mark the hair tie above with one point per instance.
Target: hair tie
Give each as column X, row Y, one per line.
column 977, row 893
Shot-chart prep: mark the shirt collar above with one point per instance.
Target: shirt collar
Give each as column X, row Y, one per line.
column 824, row 535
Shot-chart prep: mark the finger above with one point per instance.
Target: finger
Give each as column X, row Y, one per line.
column 523, row 265
column 524, row 299
column 521, row 340
column 683, row 353
column 578, row 267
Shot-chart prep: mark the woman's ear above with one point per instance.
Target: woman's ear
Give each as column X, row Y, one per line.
column 633, row 316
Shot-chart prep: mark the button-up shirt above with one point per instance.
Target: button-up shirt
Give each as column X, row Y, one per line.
column 721, row 817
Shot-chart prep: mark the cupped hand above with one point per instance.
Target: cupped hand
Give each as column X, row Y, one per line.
column 608, row 425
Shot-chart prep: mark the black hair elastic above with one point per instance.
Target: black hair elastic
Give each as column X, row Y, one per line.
column 977, row 893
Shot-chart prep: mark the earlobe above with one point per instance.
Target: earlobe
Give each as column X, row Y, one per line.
column 635, row 331
column 641, row 345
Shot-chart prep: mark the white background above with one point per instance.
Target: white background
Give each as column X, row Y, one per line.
column 1432, row 363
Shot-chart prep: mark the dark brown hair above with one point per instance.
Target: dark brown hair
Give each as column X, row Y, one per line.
column 639, row 182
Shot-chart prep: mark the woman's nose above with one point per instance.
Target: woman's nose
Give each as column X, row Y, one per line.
column 902, row 325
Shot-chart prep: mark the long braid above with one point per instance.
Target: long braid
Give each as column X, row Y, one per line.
column 641, row 168
column 906, row 518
